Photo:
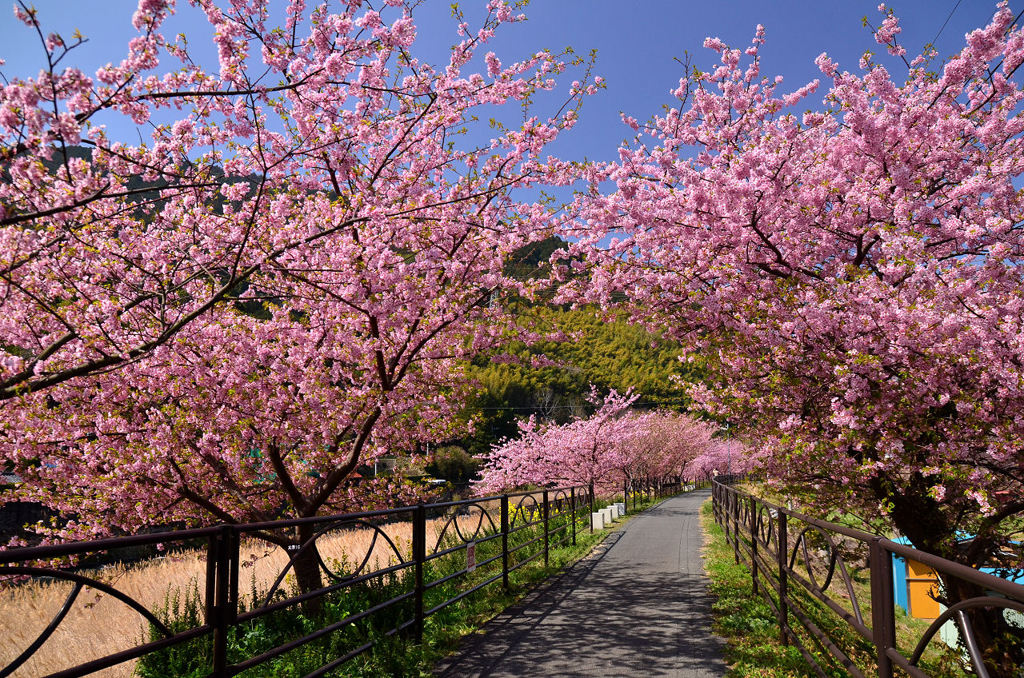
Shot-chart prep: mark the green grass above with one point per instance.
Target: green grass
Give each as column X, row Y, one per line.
column 394, row 655
column 742, row 617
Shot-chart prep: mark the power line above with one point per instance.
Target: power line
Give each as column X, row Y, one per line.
column 943, row 27
column 539, row 406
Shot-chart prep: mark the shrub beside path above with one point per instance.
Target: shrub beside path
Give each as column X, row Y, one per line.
column 637, row 606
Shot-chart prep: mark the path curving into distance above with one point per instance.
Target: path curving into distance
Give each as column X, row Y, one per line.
column 637, row 606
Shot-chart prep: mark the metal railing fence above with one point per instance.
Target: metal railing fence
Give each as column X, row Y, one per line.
column 434, row 555
column 798, row 562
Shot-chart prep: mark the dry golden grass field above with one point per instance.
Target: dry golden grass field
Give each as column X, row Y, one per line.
column 99, row 624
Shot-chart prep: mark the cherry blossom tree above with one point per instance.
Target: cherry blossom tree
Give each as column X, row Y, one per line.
column 305, row 137
column 587, row 451
column 222, row 323
column 612, row 446
column 722, row 457
column 671, row 441
column 851, row 273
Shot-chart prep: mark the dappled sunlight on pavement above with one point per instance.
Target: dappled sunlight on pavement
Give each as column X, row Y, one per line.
column 638, row 606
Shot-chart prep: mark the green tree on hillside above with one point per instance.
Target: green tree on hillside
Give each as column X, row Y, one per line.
column 550, row 378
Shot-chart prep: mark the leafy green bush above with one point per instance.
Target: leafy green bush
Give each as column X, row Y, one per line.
column 454, row 464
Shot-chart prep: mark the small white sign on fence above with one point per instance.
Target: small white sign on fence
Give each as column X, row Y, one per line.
column 470, row 556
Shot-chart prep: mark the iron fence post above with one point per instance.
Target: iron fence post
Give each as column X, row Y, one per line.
column 504, row 540
column 222, row 582
column 593, row 508
column 547, row 535
column 419, row 555
column 572, row 499
column 753, row 545
column 724, row 510
column 883, row 621
column 625, row 491
column 736, row 526
column 783, row 546
column 724, row 493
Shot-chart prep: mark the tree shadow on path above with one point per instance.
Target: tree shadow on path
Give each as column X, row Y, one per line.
column 637, row 606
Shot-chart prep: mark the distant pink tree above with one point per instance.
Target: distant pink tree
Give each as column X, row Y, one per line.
column 612, row 446
column 662, row 444
column 585, row 452
column 722, row 457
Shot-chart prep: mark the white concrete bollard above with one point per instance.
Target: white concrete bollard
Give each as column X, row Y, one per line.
column 607, row 513
column 622, row 508
column 615, row 511
column 597, row 520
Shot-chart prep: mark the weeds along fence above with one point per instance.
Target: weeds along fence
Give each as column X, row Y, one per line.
column 837, row 584
column 409, row 564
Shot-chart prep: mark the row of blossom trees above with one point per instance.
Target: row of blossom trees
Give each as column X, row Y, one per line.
column 613, row 446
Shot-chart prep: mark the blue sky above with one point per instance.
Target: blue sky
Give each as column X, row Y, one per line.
column 637, row 42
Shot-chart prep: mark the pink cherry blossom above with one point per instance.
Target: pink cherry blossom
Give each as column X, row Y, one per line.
column 610, row 447
column 221, row 323
column 850, row 275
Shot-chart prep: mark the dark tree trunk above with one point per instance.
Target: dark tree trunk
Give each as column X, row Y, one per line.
column 920, row 518
column 308, row 576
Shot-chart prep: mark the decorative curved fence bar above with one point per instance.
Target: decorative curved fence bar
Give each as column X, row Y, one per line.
column 809, row 569
column 410, row 563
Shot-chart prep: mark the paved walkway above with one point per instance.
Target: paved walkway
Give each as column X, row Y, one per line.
column 638, row 606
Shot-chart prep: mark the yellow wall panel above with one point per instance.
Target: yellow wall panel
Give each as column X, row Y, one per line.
column 922, row 586
column 916, row 569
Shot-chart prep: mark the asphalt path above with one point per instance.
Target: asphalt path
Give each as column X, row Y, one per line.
column 637, row 606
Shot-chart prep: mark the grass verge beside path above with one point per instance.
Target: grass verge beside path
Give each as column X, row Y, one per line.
column 742, row 617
